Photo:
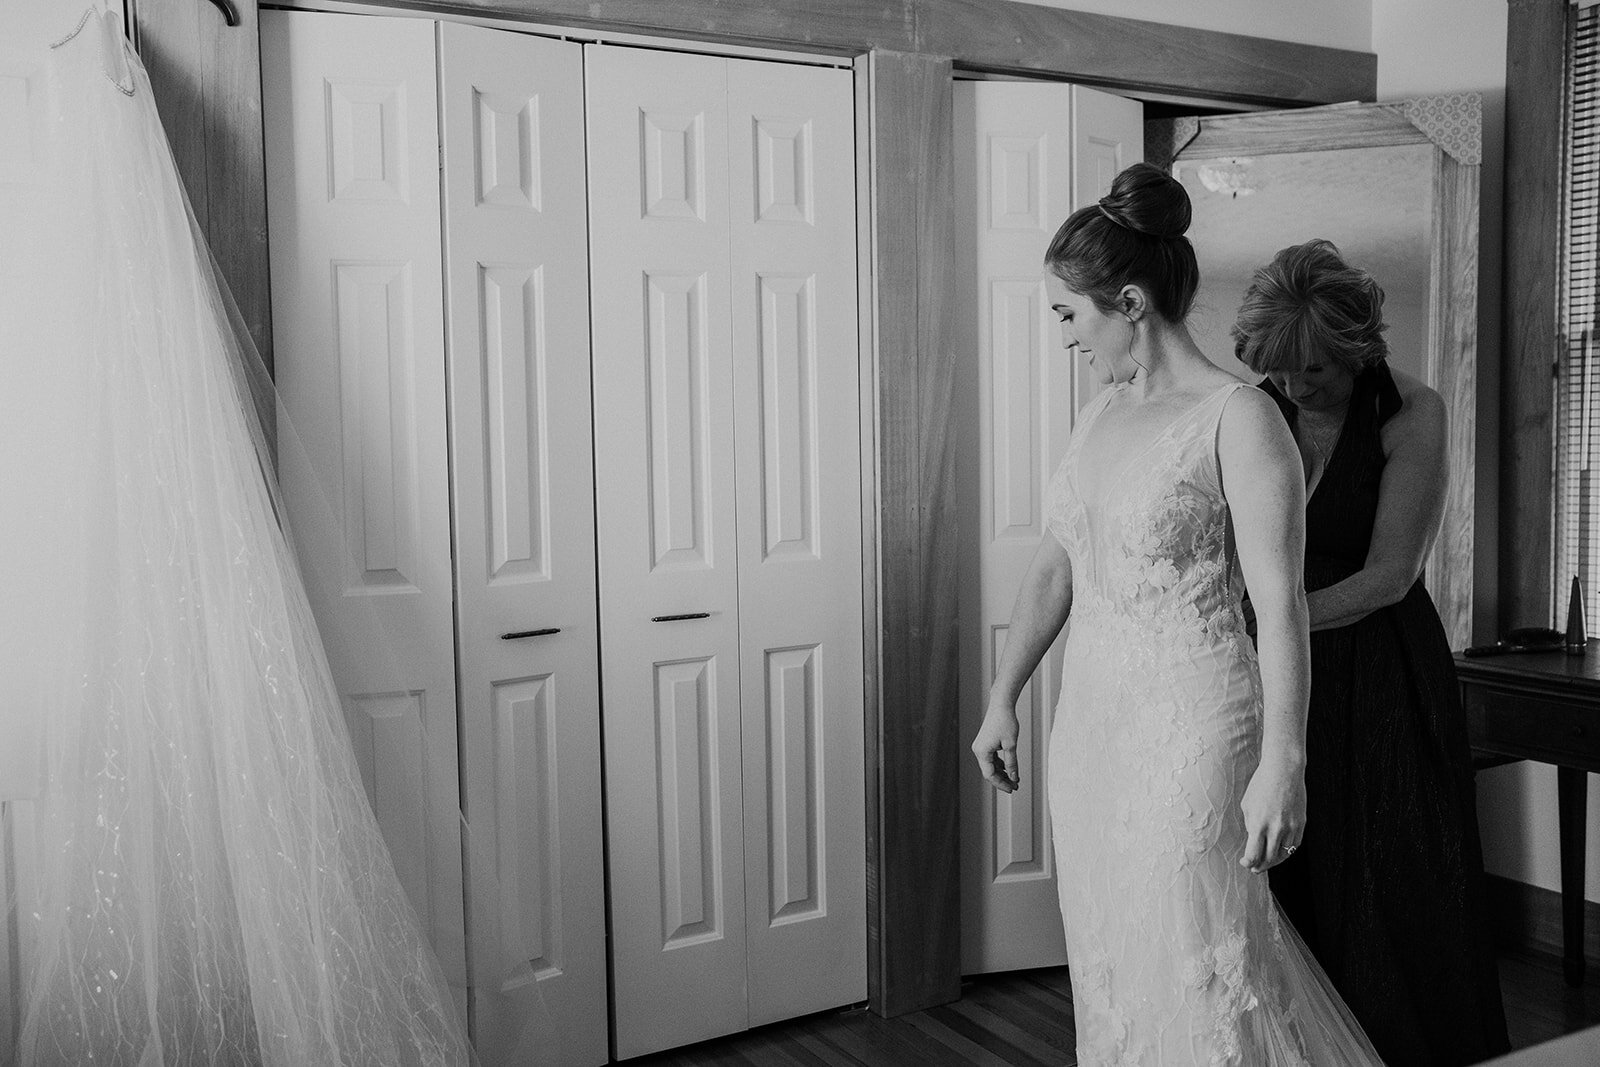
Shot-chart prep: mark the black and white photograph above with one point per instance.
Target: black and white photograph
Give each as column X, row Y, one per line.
column 799, row 533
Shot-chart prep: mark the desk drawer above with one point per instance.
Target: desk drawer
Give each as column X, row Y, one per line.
column 1505, row 720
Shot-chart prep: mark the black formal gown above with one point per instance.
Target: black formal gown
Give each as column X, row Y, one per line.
column 1387, row 888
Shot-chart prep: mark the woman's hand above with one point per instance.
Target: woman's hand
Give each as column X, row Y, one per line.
column 1274, row 807
column 996, row 748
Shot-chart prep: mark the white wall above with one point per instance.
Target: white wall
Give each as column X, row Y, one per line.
column 28, row 26
column 1516, row 803
column 1331, row 23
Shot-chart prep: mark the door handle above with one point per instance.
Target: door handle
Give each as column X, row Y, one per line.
column 681, row 618
column 530, row 633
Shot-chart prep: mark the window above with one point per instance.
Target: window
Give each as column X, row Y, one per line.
column 1577, row 489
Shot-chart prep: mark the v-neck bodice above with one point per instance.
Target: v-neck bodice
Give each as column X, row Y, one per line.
column 1152, row 543
column 1341, row 511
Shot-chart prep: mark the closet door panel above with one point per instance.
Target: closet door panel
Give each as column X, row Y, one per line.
column 1031, row 154
column 516, row 266
column 664, row 473
column 353, row 203
column 791, row 153
column 1014, row 186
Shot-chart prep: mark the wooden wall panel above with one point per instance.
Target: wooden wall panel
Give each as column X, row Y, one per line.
column 913, row 922
column 1454, row 355
column 207, row 81
column 1535, row 73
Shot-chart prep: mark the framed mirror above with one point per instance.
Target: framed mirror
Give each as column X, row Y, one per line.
column 1395, row 186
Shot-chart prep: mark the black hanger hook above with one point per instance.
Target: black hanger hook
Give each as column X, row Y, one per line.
column 230, row 14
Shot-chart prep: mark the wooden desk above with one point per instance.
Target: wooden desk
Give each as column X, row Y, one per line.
column 1544, row 706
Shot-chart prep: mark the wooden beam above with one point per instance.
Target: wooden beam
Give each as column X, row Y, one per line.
column 996, row 35
column 1124, row 53
column 914, row 913
column 1535, row 76
column 1320, row 129
column 207, row 81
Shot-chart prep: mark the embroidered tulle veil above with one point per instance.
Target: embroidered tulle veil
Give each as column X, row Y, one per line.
column 196, row 876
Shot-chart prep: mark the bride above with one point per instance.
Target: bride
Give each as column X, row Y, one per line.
column 1176, row 762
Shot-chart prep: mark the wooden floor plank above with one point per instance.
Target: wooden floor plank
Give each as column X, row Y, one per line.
column 1015, row 1031
column 1024, row 1018
column 962, row 1022
column 827, row 1051
column 894, row 1041
column 955, row 1041
column 1028, row 1006
column 781, row 1052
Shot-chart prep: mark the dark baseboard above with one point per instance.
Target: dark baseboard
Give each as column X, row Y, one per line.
column 1529, row 917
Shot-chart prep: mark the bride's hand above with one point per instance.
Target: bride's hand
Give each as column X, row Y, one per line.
column 1274, row 807
column 996, row 748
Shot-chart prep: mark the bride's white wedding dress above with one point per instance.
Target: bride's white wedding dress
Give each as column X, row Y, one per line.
column 1178, row 954
column 199, row 879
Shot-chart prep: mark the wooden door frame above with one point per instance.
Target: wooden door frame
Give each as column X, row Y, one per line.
column 207, row 80
column 1536, row 74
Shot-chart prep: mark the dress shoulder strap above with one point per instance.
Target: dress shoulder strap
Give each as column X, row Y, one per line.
column 1087, row 415
column 1102, row 400
column 1214, row 405
column 1223, row 395
column 110, row 41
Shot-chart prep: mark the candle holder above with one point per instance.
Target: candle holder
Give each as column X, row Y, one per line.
column 1577, row 638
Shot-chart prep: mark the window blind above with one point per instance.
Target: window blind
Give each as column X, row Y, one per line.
column 1578, row 361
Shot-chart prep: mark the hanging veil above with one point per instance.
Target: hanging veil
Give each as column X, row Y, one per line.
column 206, row 882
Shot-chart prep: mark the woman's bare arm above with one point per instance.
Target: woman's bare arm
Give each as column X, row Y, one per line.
column 1265, row 488
column 1410, row 508
column 1041, row 608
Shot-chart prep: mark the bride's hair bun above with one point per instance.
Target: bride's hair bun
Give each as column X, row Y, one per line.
column 1133, row 235
column 1147, row 200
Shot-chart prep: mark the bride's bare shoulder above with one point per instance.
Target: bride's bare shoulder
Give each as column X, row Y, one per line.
column 1251, row 423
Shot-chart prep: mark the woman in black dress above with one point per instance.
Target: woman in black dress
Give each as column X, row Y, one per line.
column 1387, row 888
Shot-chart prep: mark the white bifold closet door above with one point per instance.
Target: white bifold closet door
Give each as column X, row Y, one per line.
column 728, row 498
column 353, row 208
column 516, row 274
column 1028, row 154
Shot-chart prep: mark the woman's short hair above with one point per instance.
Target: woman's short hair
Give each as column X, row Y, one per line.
column 1309, row 304
column 1133, row 236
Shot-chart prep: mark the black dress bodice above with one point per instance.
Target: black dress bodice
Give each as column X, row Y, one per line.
column 1342, row 508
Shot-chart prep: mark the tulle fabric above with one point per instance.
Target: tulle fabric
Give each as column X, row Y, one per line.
column 200, row 879
column 1179, row 956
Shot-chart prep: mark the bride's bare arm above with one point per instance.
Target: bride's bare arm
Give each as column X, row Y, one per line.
column 1041, row 608
column 1264, row 486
